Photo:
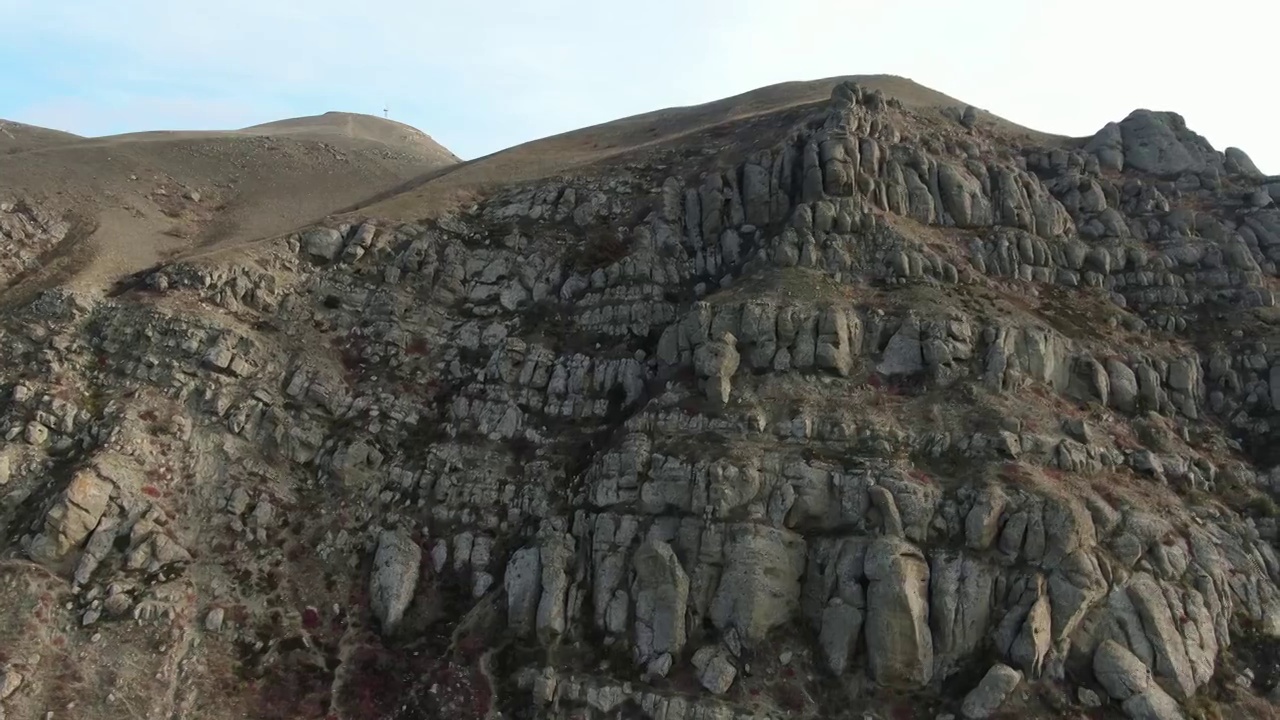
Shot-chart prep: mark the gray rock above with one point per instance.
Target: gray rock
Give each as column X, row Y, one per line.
column 1119, row 671
column 213, row 620
column 523, row 583
column 10, row 681
column 1273, row 382
column 899, row 642
column 544, row 686
column 1078, row 429
column 838, row 638
column 70, row 521
column 716, row 362
column 890, row 518
column 1171, row 662
column 1034, row 639
column 660, row 665
column 1239, row 163
column 395, row 577
column 554, row 555
column 982, row 524
column 662, row 593
column 760, row 587
column 322, row 243
column 963, row 197
column 36, row 434
column 101, row 543
column 1161, row 144
column 1154, row 704
column 1088, row 698
column 1128, row 680
column 1108, row 146
column 715, row 670
column 984, row 700
column 962, row 595
column 1124, row 385
column 904, row 354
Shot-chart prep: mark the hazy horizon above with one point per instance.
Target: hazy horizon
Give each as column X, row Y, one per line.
column 483, row 77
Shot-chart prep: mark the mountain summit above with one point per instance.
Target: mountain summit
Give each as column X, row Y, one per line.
column 837, row 399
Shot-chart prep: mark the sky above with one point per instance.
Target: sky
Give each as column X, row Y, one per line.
column 482, row 75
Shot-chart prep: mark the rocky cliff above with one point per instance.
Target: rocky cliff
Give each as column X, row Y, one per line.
column 848, row 409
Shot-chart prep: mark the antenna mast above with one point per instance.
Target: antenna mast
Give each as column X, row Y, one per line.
column 386, row 111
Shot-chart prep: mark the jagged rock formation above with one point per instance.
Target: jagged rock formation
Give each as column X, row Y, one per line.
column 854, row 406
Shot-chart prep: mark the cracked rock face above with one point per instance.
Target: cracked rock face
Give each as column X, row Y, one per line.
column 849, row 404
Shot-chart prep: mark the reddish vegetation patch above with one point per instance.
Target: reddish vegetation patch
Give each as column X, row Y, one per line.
column 294, row 692
column 417, row 347
column 359, row 596
column 460, row 692
column 238, row 614
column 790, row 697
column 310, row 618
column 902, row 712
column 1014, row 472
column 375, row 686
column 471, row 647
column 685, row 682
column 1054, row 473
column 151, row 491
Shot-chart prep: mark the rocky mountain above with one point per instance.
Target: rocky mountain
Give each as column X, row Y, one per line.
column 833, row 400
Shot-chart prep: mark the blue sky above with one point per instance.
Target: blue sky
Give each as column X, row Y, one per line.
column 483, row 75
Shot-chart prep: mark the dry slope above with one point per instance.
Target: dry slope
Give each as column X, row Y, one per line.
column 129, row 201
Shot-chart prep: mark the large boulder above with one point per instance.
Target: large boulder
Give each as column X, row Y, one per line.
column 984, row 700
column 554, row 556
column 1239, row 163
column 716, row 671
column 662, row 595
column 1128, row 681
column 1108, row 146
column 838, row 637
column 899, row 642
column 75, row 515
column 961, row 598
column 1119, row 671
column 1160, row 143
column 396, row 565
column 322, row 243
column 760, row 587
column 523, row 583
column 715, row 362
column 1162, row 630
column 904, row 355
